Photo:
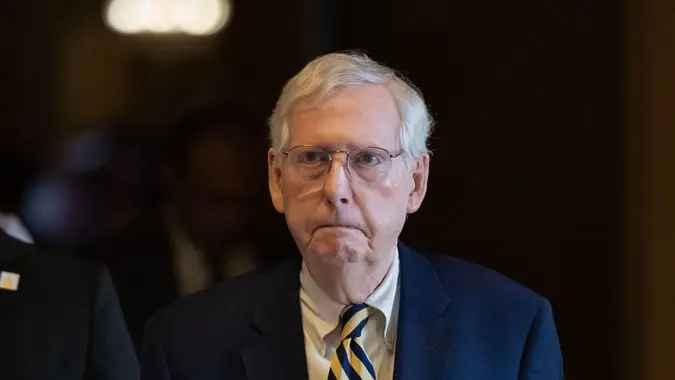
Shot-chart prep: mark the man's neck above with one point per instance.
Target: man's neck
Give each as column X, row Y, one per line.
column 350, row 285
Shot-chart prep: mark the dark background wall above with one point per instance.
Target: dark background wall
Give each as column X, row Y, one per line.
column 649, row 185
column 529, row 173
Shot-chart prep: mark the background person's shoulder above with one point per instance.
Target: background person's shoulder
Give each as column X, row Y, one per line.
column 61, row 272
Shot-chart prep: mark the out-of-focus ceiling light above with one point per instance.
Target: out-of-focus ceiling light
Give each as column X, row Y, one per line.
column 193, row 17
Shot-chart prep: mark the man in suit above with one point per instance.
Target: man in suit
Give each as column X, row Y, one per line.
column 59, row 318
column 348, row 163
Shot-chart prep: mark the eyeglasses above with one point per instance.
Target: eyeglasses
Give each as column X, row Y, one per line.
column 371, row 163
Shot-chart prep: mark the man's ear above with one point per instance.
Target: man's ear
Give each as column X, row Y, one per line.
column 420, row 179
column 274, row 177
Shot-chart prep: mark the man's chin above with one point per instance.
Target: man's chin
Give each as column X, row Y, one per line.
column 336, row 253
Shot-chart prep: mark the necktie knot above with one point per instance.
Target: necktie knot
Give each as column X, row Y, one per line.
column 353, row 319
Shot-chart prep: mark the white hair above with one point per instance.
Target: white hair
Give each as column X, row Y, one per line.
column 329, row 73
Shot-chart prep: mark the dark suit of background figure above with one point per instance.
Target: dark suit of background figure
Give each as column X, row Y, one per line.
column 456, row 321
column 63, row 321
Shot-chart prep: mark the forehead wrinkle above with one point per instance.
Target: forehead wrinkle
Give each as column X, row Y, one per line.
column 347, row 107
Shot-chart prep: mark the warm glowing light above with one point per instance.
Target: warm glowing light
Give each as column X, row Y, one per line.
column 194, row 17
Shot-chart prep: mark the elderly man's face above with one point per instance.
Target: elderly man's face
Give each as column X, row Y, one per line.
column 346, row 226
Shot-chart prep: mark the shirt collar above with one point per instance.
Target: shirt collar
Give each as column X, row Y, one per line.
column 384, row 299
column 13, row 227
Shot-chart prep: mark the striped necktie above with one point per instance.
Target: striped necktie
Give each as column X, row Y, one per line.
column 350, row 361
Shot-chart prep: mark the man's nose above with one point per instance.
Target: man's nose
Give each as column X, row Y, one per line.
column 337, row 187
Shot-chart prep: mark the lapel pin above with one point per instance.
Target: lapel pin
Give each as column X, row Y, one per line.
column 9, row 281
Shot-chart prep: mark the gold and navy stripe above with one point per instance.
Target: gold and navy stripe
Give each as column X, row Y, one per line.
column 350, row 361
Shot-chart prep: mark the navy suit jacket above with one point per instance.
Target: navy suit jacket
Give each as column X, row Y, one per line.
column 457, row 321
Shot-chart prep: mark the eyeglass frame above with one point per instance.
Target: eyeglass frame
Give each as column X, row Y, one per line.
column 346, row 153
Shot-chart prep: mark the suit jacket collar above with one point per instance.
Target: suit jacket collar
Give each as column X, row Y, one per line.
column 423, row 336
column 277, row 351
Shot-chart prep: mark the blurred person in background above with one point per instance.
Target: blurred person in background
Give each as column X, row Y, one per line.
column 59, row 315
column 206, row 221
column 214, row 200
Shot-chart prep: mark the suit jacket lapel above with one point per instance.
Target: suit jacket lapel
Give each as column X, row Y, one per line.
column 424, row 336
column 277, row 351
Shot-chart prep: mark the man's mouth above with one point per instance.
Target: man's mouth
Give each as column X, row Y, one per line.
column 337, row 226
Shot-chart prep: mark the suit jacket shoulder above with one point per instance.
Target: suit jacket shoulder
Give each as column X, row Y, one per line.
column 216, row 300
column 63, row 321
column 481, row 323
column 228, row 330
column 481, row 285
column 230, row 303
